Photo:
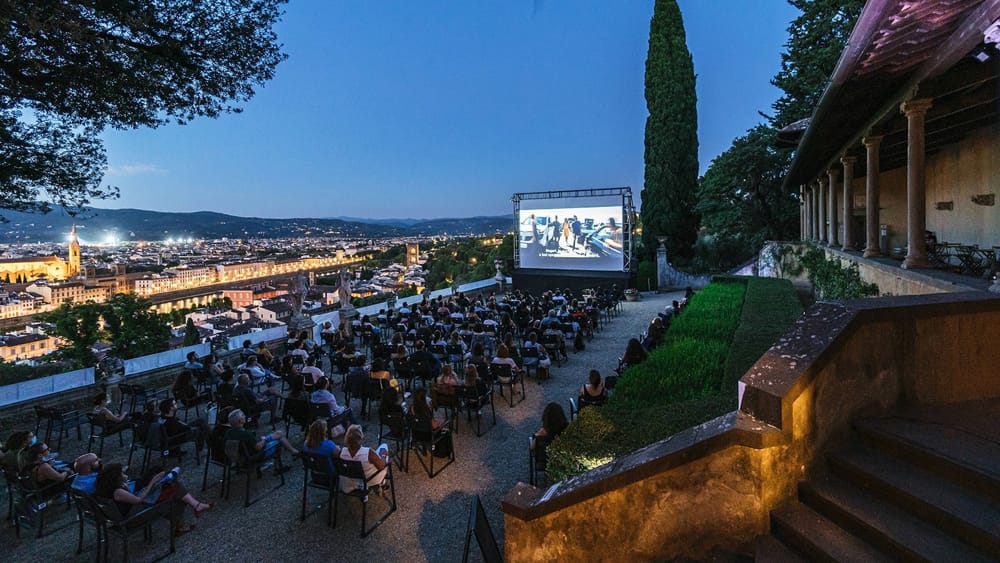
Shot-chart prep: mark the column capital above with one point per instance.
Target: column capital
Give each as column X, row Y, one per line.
column 833, row 173
column 917, row 106
column 822, row 182
column 848, row 159
column 871, row 140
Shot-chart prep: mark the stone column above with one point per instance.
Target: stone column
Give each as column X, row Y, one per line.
column 834, row 174
column 809, row 212
column 872, row 249
column 803, row 211
column 815, row 212
column 848, row 162
column 916, row 206
column 823, row 212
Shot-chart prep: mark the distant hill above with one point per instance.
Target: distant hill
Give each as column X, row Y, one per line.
column 96, row 225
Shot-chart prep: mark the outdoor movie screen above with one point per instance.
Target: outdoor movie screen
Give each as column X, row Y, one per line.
column 571, row 237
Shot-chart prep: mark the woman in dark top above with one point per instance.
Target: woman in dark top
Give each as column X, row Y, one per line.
column 389, row 405
column 185, row 392
column 112, row 422
column 593, row 392
column 553, row 423
column 635, row 354
column 113, row 484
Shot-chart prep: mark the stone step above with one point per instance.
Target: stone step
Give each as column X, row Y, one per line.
column 768, row 549
column 961, row 512
column 887, row 527
column 957, row 455
column 806, row 531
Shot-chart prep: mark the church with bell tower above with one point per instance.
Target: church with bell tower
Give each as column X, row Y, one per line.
column 29, row 269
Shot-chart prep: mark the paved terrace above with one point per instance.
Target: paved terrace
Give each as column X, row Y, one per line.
column 430, row 522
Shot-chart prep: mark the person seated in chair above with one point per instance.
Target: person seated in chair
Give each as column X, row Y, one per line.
column 260, row 449
column 184, row 389
column 319, row 441
column 322, row 394
column 113, row 484
column 421, row 407
column 113, row 423
column 179, row 432
column 258, row 374
column 593, row 392
column 86, row 466
column 503, row 357
column 40, row 468
column 310, row 373
column 635, row 353
column 247, row 350
column 420, row 354
column 553, row 423
column 192, row 362
column 258, row 402
column 447, row 376
column 373, row 462
column 16, row 450
column 379, row 370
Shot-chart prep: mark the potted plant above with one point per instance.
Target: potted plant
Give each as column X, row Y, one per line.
column 631, row 294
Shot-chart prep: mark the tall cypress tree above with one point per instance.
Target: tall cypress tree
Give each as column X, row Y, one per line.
column 671, row 182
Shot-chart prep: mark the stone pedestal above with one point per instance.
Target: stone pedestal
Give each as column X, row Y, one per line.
column 300, row 322
column 346, row 316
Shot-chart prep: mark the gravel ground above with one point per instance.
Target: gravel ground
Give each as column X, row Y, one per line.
column 429, row 524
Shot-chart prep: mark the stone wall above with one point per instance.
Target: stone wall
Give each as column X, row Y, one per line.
column 714, row 485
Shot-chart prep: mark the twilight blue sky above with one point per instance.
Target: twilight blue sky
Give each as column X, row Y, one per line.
column 446, row 108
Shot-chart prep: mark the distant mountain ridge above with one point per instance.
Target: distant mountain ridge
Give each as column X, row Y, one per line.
column 97, row 225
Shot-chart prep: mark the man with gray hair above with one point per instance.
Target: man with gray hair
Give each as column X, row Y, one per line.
column 259, row 449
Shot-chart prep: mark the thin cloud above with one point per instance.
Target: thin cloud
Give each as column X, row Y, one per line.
column 135, row 170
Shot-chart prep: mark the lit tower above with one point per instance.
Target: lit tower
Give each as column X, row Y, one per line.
column 412, row 254
column 73, row 267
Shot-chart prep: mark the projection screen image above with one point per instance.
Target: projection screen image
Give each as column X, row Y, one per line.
column 578, row 238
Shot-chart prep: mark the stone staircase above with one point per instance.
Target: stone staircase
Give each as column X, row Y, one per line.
column 923, row 485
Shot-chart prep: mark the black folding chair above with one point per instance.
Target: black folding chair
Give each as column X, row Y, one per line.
column 427, row 440
column 475, row 399
column 349, row 469
column 242, row 461
column 319, row 474
column 502, row 375
column 140, row 518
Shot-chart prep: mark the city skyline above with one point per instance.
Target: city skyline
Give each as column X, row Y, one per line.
column 447, row 113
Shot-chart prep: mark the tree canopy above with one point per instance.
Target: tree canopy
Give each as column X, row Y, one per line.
column 671, row 157
column 815, row 40
column 71, row 68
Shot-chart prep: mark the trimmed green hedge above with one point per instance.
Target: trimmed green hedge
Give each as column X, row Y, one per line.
column 688, row 365
column 688, row 380
column 770, row 307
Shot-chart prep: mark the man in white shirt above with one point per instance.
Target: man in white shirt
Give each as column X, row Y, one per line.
column 311, row 373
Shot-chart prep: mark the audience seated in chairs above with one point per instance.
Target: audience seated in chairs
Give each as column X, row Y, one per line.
column 593, row 392
column 553, row 423
column 112, row 484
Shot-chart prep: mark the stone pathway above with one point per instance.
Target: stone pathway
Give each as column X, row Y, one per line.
column 430, row 522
